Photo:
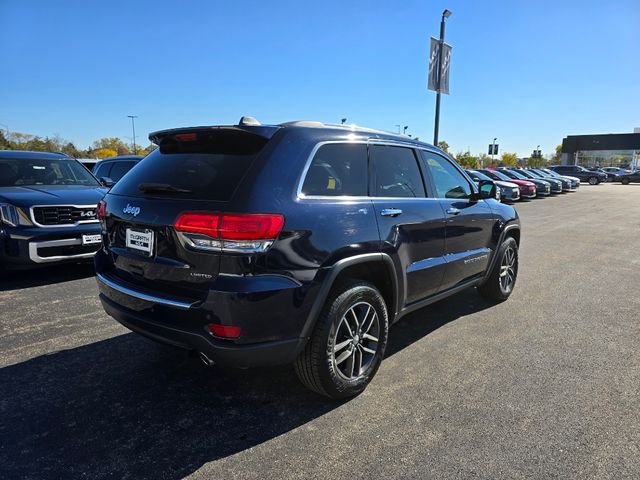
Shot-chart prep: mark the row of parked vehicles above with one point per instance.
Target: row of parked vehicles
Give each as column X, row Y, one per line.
column 616, row 174
column 260, row 244
column 522, row 184
column 597, row 175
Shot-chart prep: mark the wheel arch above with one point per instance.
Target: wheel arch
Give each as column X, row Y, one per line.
column 509, row 230
column 376, row 268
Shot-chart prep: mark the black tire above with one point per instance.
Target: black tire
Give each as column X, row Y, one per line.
column 494, row 288
column 316, row 366
column 625, row 181
column 594, row 180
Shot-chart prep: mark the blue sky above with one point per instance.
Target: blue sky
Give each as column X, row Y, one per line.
column 528, row 73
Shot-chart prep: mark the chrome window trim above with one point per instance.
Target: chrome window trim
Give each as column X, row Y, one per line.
column 307, row 166
column 347, row 198
column 143, row 296
column 80, row 222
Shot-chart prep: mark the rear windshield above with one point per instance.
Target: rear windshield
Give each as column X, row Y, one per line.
column 208, row 168
column 15, row 172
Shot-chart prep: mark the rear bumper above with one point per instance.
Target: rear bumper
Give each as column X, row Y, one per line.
column 277, row 352
column 29, row 247
column 271, row 321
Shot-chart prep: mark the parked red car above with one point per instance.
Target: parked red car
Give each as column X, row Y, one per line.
column 527, row 189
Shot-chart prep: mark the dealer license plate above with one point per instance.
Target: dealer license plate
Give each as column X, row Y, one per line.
column 140, row 241
column 91, row 239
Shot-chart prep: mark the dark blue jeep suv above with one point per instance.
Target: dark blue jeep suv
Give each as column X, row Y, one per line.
column 296, row 243
column 48, row 212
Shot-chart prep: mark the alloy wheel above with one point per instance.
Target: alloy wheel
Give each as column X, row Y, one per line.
column 508, row 270
column 356, row 340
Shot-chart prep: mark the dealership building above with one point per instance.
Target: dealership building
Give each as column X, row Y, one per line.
column 607, row 150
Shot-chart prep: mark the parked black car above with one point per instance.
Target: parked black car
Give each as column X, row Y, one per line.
column 48, row 207
column 610, row 176
column 301, row 242
column 627, row 178
column 543, row 188
column 555, row 185
column 111, row 170
column 575, row 182
column 594, row 178
column 616, row 172
column 565, row 183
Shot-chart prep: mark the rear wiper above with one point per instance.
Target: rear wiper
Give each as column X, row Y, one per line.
column 161, row 187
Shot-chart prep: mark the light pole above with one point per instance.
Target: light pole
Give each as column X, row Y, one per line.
column 493, row 148
column 404, row 130
column 446, row 14
column 133, row 127
column 343, row 121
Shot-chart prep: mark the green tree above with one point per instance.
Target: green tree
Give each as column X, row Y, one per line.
column 443, row 146
column 112, row 143
column 104, row 153
column 535, row 161
column 71, row 150
column 509, row 159
column 5, row 144
column 555, row 159
column 466, row 160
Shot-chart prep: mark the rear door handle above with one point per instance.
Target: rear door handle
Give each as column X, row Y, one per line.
column 391, row 212
column 453, row 211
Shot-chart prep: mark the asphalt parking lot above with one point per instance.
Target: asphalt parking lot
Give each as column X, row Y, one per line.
column 545, row 385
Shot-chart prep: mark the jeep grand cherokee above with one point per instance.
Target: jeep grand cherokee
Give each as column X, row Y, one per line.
column 296, row 243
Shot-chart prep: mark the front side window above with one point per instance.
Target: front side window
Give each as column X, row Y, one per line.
column 396, row 172
column 448, row 180
column 338, row 169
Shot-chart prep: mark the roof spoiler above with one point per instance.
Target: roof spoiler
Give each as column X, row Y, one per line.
column 265, row 132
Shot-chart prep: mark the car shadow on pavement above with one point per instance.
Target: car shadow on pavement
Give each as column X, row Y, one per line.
column 19, row 279
column 126, row 407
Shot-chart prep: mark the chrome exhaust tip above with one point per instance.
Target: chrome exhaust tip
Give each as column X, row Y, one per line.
column 206, row 360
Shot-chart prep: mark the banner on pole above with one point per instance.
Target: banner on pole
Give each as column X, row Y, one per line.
column 434, row 68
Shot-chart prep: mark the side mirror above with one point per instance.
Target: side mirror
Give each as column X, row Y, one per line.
column 488, row 189
column 106, row 182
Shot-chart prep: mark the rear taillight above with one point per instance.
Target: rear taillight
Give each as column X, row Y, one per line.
column 231, row 232
column 101, row 212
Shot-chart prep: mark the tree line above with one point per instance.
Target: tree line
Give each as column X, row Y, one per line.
column 101, row 148
column 507, row 159
column 113, row 146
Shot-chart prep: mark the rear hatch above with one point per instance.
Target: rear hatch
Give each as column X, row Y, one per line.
column 193, row 170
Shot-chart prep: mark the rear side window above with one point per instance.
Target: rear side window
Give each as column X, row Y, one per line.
column 201, row 165
column 396, row 172
column 337, row 169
